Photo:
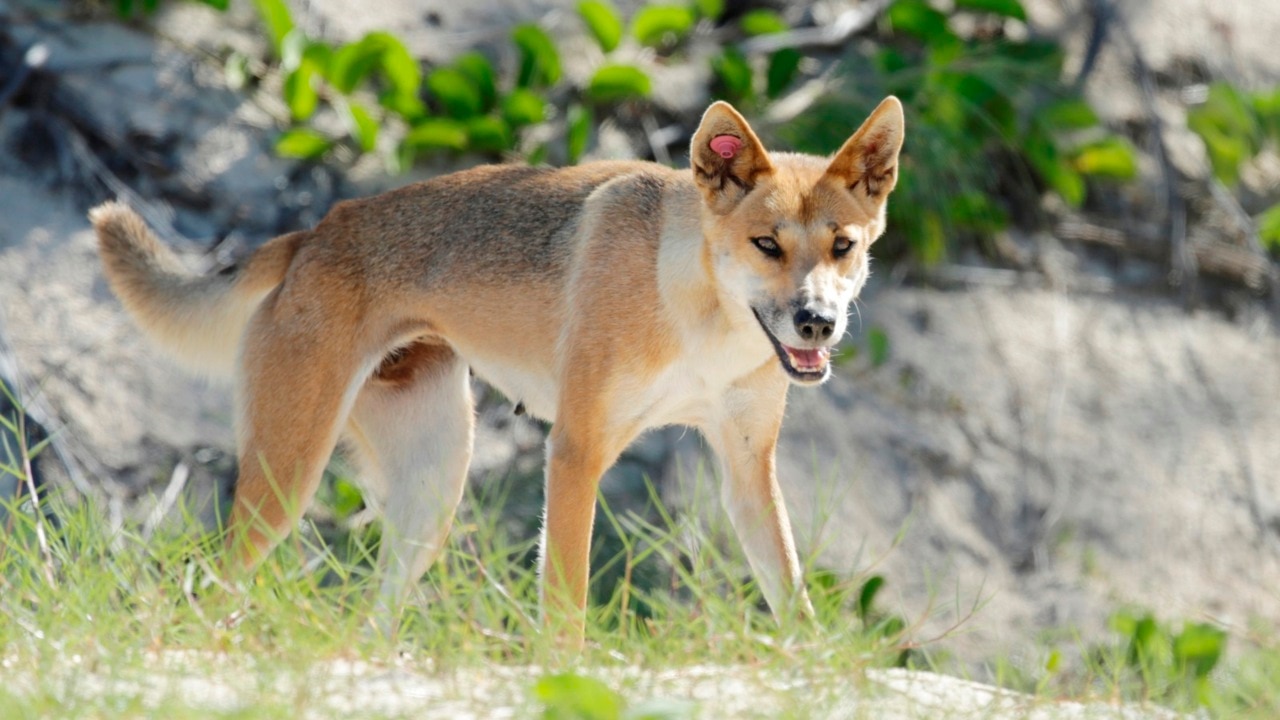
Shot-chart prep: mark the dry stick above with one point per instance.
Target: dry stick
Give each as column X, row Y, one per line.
column 1266, row 270
column 1184, row 270
column 177, row 482
column 847, row 24
column 1237, row 264
column 484, row 572
column 30, row 479
column 33, row 59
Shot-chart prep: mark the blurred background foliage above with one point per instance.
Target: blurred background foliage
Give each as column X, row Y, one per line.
column 994, row 127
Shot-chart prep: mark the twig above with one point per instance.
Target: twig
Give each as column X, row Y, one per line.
column 484, row 572
column 33, row 59
column 1232, row 262
column 1101, row 13
column 158, row 216
column 177, row 481
column 847, row 24
column 1263, row 268
column 657, row 139
column 970, row 275
column 1183, row 269
column 45, row 552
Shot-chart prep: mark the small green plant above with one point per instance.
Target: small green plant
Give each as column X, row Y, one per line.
column 459, row 107
column 1235, row 127
column 1170, row 663
column 570, row 696
column 748, row 81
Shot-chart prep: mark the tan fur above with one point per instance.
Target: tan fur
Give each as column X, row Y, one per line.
column 607, row 298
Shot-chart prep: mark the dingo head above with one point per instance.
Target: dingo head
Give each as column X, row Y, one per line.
column 787, row 234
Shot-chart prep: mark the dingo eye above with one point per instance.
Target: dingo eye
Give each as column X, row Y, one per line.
column 842, row 246
column 767, row 245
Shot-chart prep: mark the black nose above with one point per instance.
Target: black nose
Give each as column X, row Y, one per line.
column 814, row 327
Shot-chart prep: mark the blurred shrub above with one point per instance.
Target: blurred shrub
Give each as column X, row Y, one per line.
column 992, row 127
column 1171, row 664
column 1236, row 127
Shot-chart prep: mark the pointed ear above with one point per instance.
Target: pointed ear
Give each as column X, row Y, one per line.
column 727, row 157
column 868, row 162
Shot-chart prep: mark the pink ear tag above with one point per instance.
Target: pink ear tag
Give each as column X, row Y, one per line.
column 726, row 145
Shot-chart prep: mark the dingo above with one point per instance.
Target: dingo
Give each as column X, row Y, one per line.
column 607, row 298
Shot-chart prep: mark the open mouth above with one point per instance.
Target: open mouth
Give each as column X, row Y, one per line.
column 807, row 365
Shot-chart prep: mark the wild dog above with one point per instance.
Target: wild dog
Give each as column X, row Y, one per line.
column 606, row 298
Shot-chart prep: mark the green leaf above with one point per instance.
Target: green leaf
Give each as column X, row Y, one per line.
column 455, row 92
column 398, row 65
column 1199, row 647
column 524, row 107
column 124, row 8
column 303, row 144
column 1068, row 114
column 615, row 83
column 572, row 697
column 1269, row 228
column 1056, row 172
column 928, row 238
column 275, row 15
column 762, row 22
column 603, row 22
column 409, row 107
column 537, row 156
column 437, row 134
column 347, row 499
column 1007, row 8
column 1230, row 130
column 974, row 210
column 539, row 59
column 1111, row 157
column 362, row 126
column 300, row 93
column 734, row 74
column 477, row 68
column 656, row 25
column 918, row 18
column 236, row 71
column 877, row 346
column 867, row 596
column 579, row 131
column 783, row 67
column 351, row 64
column 1053, row 663
column 381, row 51
column 1226, row 153
column 292, row 48
column 709, row 9
column 217, row 4
column 1266, row 106
column 488, row 134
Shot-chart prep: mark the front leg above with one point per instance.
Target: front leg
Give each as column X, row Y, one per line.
column 578, row 453
column 744, row 436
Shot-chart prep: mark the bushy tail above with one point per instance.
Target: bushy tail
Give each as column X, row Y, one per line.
column 199, row 319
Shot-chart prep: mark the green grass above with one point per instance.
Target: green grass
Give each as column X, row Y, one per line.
column 91, row 629
column 96, row 624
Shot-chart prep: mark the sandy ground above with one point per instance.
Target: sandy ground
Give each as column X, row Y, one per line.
column 406, row 688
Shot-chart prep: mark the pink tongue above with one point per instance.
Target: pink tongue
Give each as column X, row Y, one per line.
column 806, row 358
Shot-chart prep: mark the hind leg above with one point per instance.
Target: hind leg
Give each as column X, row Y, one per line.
column 413, row 428
column 299, row 374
